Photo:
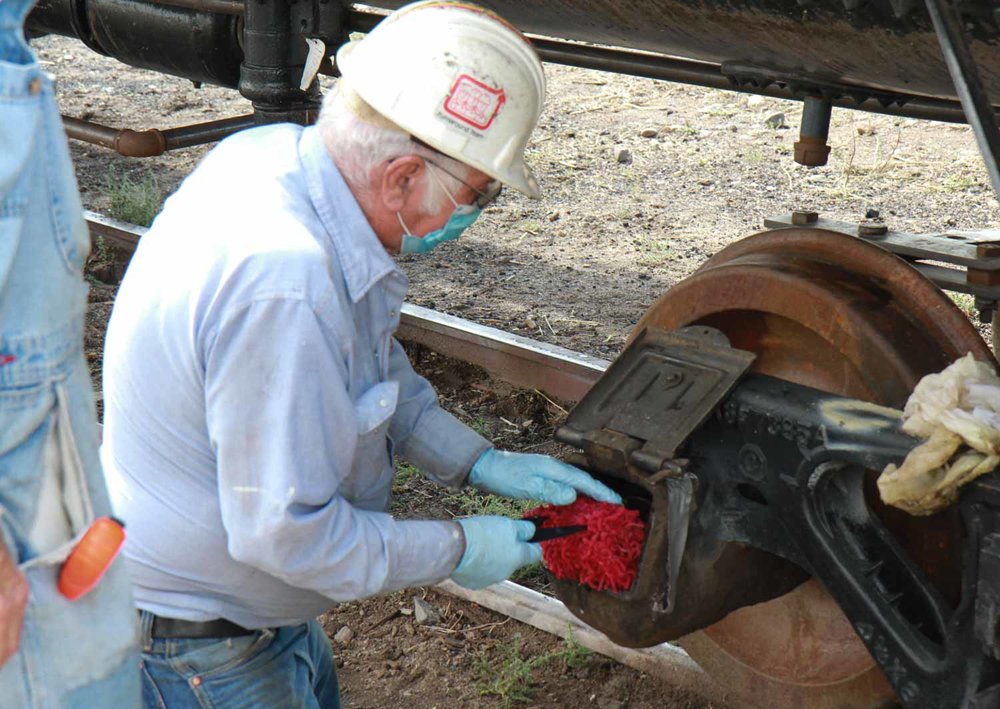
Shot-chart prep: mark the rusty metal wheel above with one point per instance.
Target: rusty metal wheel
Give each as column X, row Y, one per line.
column 836, row 313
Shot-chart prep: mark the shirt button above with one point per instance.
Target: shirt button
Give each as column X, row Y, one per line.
column 35, row 86
column 383, row 403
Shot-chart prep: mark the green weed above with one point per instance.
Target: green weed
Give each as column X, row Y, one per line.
column 622, row 212
column 653, row 251
column 133, row 202
column 965, row 302
column 472, row 502
column 405, row 475
column 958, row 183
column 481, row 426
column 532, row 226
column 511, row 681
column 533, row 576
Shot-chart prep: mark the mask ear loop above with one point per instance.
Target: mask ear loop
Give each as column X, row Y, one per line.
column 399, row 216
column 406, row 229
column 440, row 182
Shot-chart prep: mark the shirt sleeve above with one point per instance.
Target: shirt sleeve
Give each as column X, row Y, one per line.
column 282, row 426
column 424, row 433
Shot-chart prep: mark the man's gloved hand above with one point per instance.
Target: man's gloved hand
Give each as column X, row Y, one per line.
column 495, row 547
column 528, row 476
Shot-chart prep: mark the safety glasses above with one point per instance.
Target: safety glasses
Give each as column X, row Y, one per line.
column 485, row 197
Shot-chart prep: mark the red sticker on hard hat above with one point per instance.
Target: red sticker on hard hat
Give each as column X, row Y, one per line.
column 473, row 102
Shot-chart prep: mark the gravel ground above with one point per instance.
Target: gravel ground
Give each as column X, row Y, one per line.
column 642, row 182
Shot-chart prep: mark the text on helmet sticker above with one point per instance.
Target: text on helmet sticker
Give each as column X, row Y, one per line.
column 473, row 102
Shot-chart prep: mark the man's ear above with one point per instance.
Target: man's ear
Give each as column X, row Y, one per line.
column 399, row 181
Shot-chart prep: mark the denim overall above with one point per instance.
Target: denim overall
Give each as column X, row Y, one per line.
column 79, row 653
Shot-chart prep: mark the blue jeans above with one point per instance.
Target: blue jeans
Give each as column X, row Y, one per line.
column 291, row 666
column 81, row 653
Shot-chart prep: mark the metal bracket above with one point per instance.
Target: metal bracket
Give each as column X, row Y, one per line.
column 758, row 77
column 662, row 387
column 976, row 253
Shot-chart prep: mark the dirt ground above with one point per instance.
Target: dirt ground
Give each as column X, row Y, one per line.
column 642, row 182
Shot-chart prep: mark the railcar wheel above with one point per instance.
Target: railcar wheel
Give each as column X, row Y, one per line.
column 836, row 313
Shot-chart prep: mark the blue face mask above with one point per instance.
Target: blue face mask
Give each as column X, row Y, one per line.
column 461, row 218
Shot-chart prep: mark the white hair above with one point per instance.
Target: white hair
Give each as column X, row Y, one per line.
column 358, row 147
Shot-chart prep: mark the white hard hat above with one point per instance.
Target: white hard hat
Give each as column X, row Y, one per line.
column 456, row 77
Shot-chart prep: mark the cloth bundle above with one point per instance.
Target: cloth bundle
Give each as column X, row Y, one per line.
column 958, row 412
column 604, row 557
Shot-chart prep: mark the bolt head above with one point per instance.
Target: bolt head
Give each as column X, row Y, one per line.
column 804, row 217
column 811, row 152
column 991, row 250
column 872, row 229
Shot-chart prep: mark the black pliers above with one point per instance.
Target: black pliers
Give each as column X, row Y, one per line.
column 545, row 534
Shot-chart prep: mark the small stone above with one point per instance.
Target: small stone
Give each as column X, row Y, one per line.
column 705, row 182
column 406, row 611
column 649, row 133
column 623, row 155
column 755, row 100
column 775, row 121
column 343, row 636
column 424, row 613
column 553, row 216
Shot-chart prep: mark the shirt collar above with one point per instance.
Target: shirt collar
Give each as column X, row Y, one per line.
column 363, row 259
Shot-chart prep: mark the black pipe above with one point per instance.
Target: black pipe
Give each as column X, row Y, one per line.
column 153, row 142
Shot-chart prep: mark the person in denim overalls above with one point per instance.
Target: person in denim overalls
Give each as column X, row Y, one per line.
column 79, row 653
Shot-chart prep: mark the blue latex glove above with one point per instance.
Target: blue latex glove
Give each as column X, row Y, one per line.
column 528, row 476
column 495, row 547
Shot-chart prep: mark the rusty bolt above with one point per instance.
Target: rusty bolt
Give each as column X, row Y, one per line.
column 872, row 228
column 811, row 152
column 988, row 250
column 801, row 217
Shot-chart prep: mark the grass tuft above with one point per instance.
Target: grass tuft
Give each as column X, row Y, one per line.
column 965, row 302
column 133, row 202
column 510, row 677
column 653, row 251
column 472, row 502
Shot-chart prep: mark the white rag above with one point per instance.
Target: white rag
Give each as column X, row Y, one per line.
column 958, row 412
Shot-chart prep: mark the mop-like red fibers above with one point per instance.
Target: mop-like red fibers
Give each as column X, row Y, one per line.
column 604, row 557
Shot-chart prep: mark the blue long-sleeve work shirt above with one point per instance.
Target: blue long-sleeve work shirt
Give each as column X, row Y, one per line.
column 254, row 396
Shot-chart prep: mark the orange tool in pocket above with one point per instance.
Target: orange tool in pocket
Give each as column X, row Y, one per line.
column 91, row 557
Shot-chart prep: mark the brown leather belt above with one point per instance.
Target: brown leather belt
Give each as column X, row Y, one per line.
column 176, row 628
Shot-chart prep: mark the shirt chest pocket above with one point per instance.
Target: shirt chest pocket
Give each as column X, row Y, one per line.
column 372, row 470
column 375, row 407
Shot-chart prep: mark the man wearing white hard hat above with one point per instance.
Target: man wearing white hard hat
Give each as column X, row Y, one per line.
column 254, row 393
